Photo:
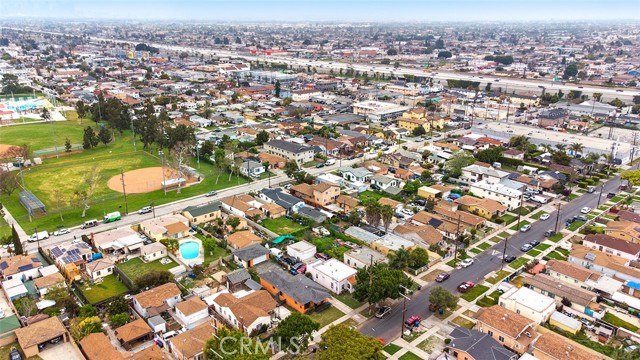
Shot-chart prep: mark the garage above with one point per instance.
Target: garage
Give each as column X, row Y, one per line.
column 39, row 336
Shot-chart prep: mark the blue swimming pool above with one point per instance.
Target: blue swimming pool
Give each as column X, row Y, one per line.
column 189, row 250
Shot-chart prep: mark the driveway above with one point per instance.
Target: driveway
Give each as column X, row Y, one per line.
column 59, row 351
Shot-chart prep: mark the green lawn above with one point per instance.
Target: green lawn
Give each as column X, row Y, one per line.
column 475, row 292
column 475, row 250
column 616, row 199
column 109, row 287
column 498, row 276
column 575, row 225
column 5, row 350
column 392, row 349
column 519, row 262
column 487, row 301
column 555, row 237
column 504, row 234
column 522, row 223
column 40, row 136
column 409, row 356
column 348, row 300
column 543, row 247
column 523, row 210
column 495, row 239
column 484, row 246
column 135, row 268
column 572, row 197
column 369, row 195
column 282, row 225
column 508, row 218
column 463, row 322
column 327, row 316
column 537, row 215
column 616, row 321
column 556, row 255
column 533, row 252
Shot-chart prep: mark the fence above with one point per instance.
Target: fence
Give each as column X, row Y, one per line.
column 130, row 284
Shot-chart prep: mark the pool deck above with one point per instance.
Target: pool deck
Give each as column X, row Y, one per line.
column 199, row 260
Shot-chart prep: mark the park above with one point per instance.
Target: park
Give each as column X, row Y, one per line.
column 70, row 178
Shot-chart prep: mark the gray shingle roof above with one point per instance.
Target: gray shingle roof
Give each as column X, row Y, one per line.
column 302, row 289
column 251, row 252
column 288, row 146
column 479, row 345
column 285, row 200
column 203, row 209
column 238, row 276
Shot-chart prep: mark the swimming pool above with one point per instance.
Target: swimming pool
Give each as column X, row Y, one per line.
column 189, row 250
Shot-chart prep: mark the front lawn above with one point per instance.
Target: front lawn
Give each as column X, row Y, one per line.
column 475, row 250
column 464, row 322
column 410, row 356
column 533, row 252
column 504, row 234
column 474, row 292
column 135, row 268
column 484, row 246
column 575, row 225
column 616, row 199
column 518, row 263
column 519, row 226
column 327, row 316
column 369, row 195
column 508, row 218
column 108, row 288
column 537, row 215
column 495, row 239
column 556, row 237
column 572, row 197
column 282, row 225
column 556, row 255
column 498, row 276
column 543, row 247
column 391, row 349
column 349, row 300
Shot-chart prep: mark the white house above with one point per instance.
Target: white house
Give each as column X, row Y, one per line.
column 359, row 174
column 384, row 182
column 99, row 268
column 247, row 310
column 363, row 257
column 20, row 267
column 153, row 251
column 528, row 303
column 251, row 168
column 157, row 300
column 506, row 192
column 301, row 250
column 191, row 311
column 291, row 151
column 333, row 275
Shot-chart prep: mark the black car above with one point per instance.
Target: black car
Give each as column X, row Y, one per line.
column 375, row 187
column 610, row 195
column 509, row 258
column 321, row 165
column 534, row 243
column 350, row 157
column 421, row 202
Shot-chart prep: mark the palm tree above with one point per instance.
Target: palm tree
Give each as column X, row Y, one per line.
column 561, row 147
column 386, row 213
column 399, row 259
column 547, row 147
column 577, row 148
column 373, row 211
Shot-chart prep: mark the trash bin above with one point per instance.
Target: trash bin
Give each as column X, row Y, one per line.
column 440, row 311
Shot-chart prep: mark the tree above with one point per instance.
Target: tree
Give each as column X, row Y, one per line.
column 147, row 126
column 439, row 44
column 570, row 71
column 636, row 99
column 206, row 149
column 117, row 306
column 154, row 278
column 295, row 331
column 45, row 114
column 632, row 176
column 80, row 109
column 341, row 342
column 104, row 135
column 232, row 344
column 561, row 157
column 419, row 131
column 81, row 327
column 444, row 54
column 67, row 145
column 442, row 298
column 399, row 259
column 9, row 182
column 277, row 88
column 87, row 187
column 392, row 52
column 458, row 160
column 17, row 244
column 181, row 153
column 118, row 320
column 411, row 187
column 386, row 214
column 379, row 282
column 577, row 148
column 89, row 139
column 290, row 168
column 490, row 155
column 373, row 211
column 617, row 103
column 418, row 258
column 262, row 137
column 87, row 311
column 597, row 96
column 234, row 222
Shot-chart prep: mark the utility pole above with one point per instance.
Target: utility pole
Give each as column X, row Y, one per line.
column 600, row 195
column 519, row 210
column 557, row 218
column 504, row 252
column 455, row 254
column 161, row 153
column 124, row 192
column 404, row 310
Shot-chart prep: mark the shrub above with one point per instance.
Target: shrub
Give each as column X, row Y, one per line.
column 118, row 320
column 582, row 184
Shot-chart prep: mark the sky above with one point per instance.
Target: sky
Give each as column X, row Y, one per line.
column 326, row 10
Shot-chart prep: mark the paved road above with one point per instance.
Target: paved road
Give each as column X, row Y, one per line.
column 389, row 328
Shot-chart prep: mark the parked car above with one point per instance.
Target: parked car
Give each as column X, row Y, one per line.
column 320, row 165
column 442, row 277
column 534, row 243
column 509, row 258
column 56, row 340
column 421, row 202
column 61, row 231
column 330, row 162
column 407, row 211
column 544, row 216
column 526, row 247
column 466, row 286
column 587, row 324
column 298, row 268
column 466, row 263
column 525, row 228
column 2, row 314
column 375, row 187
column 611, row 195
column 350, row 157
column 549, row 233
column 581, row 218
column 14, row 354
column 147, row 209
column 413, row 321
column 383, row 311
column 585, row 210
column 322, row 256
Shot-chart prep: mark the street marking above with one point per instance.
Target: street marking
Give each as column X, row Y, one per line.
column 495, row 252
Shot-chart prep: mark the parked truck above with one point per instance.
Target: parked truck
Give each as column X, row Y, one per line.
column 540, row 199
column 111, row 217
column 41, row 235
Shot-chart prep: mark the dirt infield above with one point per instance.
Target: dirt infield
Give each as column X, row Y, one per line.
column 143, row 180
column 6, row 150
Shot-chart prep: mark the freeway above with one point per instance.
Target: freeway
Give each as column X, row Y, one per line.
column 388, row 328
column 530, row 85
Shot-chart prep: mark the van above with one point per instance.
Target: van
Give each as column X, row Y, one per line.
column 330, row 162
column 90, row 223
column 591, row 189
column 170, row 334
column 41, row 235
column 111, row 217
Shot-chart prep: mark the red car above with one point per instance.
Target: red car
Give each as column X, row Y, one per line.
column 465, row 286
column 413, row 321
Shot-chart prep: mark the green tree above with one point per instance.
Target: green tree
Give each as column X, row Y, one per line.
column 295, row 331
column 561, row 157
column 442, row 298
column 490, row 155
column 104, row 135
column 418, row 258
column 118, row 320
column 373, row 211
column 379, row 282
column 290, row 168
column 632, row 176
column 231, row 344
column 88, row 138
column 444, row 54
column 576, row 147
column 439, row 44
column 597, row 96
column 118, row 305
column 392, row 52
column 67, row 145
column 277, row 88
column 519, row 142
column 456, row 162
column 81, row 109
column 154, row 278
column 386, row 215
column 570, row 71
column 234, row 222
column 617, row 103
column 87, row 310
column 636, row 98
column 81, row 327
column 411, row 187
column 17, row 244
column 341, row 342
column 262, row 137
column 45, row 114
column 419, row 131
column 206, row 149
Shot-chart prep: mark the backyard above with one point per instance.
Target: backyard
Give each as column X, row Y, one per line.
column 109, row 287
column 282, row 225
column 135, row 268
column 5, row 350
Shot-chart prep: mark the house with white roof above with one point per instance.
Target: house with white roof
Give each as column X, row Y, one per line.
column 528, row 303
column 333, row 275
column 301, row 250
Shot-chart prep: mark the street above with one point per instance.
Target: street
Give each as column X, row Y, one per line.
column 389, row 328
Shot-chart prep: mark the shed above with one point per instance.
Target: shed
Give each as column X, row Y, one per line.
column 301, row 250
column 564, row 322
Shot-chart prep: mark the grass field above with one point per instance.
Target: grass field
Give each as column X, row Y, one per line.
column 475, row 250
column 348, row 300
column 409, row 356
column 533, row 252
column 537, row 215
column 556, row 255
column 40, row 136
column 282, row 225
column 327, row 316
column 369, row 195
column 67, row 172
column 508, row 218
column 475, row 292
column 109, row 287
column 392, row 349
column 575, row 225
column 484, row 246
column 556, row 237
column 135, row 268
column 517, row 263
column 522, row 223
column 498, row 276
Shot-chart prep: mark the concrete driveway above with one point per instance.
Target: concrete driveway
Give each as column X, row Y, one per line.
column 59, row 351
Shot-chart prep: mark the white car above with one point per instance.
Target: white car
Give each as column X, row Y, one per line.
column 407, row 211
column 329, row 162
column 544, row 216
column 2, row 315
column 525, row 228
column 585, row 210
column 466, row 263
column 62, row 231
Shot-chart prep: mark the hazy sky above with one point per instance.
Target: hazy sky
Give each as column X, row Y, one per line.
column 326, row 10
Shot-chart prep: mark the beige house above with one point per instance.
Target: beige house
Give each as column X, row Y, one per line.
column 321, row 194
column 171, row 226
column 31, row 336
column 202, row 214
column 242, row 239
column 99, row 268
column 190, row 344
column 551, row 346
column 510, row 329
column 153, row 251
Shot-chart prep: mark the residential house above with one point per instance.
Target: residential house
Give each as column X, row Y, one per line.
column 242, row 205
column 553, row 118
column 420, row 234
column 290, row 203
column 435, row 192
column 251, row 255
column 392, row 243
column 191, row 311
column 476, row 173
column 190, row 344
column 250, row 312
column 420, row 117
column 203, row 213
column 572, row 274
column 46, row 283
column 299, row 292
column 97, row 346
column 612, row 245
column 333, row 275
column 133, row 333
column 397, row 160
column 272, row 210
column 116, row 243
column 363, row 257
column 157, row 300
column 301, row 250
column 513, row 154
column 535, row 184
column 251, row 168
column 528, row 303
column 242, row 239
column 310, row 213
column 384, row 182
column 510, row 329
column 347, row 203
column 321, row 194
column 22, row 267
column 608, row 264
column 329, row 147
column 275, row 161
column 171, row 226
column 465, row 218
column 551, row 346
column 583, row 301
column 506, row 192
column 153, row 251
column 448, row 229
column 487, row 208
column 99, row 268
column 301, row 154
column 359, row 174
column 32, row 335
column 624, row 230
column 469, row 344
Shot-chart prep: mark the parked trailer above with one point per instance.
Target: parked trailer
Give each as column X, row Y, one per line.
column 111, row 217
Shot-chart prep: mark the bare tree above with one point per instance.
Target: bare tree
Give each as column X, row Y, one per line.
column 87, row 187
column 58, row 197
column 181, row 153
column 27, row 306
column 8, row 182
